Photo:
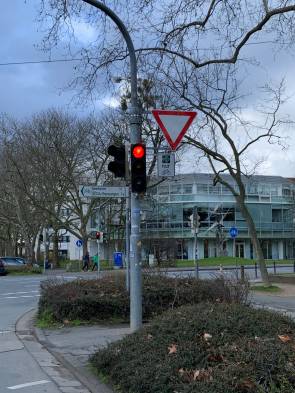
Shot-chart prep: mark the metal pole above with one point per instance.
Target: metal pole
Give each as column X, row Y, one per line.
column 196, row 261
column 45, row 249
column 98, row 247
column 135, row 137
column 127, row 243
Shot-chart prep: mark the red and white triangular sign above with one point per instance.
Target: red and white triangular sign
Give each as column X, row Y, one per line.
column 174, row 124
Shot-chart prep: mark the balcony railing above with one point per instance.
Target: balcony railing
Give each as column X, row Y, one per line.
column 272, row 228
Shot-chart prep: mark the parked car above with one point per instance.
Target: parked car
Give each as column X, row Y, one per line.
column 12, row 261
column 3, row 271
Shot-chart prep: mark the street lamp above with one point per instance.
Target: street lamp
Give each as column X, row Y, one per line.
column 135, row 137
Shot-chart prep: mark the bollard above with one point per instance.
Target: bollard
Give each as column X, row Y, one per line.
column 294, row 266
column 274, row 267
column 256, row 272
column 242, row 273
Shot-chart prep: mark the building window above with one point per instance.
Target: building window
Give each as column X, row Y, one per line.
column 276, row 215
column 202, row 188
column 252, row 189
column 64, row 239
column 187, row 188
column 175, row 189
column 286, row 192
column 163, row 190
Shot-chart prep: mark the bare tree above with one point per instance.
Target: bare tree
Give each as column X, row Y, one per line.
column 50, row 156
column 200, row 49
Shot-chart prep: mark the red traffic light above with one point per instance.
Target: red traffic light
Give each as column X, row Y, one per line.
column 97, row 235
column 138, row 151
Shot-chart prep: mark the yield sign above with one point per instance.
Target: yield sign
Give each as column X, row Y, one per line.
column 174, row 124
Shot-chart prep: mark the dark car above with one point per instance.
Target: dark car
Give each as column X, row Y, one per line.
column 12, row 261
column 3, row 271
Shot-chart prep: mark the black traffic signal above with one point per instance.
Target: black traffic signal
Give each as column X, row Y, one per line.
column 97, row 235
column 117, row 167
column 138, row 168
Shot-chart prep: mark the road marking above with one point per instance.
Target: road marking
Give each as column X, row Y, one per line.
column 25, row 385
column 15, row 293
column 18, row 297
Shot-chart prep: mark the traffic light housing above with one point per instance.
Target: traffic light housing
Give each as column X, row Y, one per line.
column 138, row 168
column 117, row 167
column 97, row 235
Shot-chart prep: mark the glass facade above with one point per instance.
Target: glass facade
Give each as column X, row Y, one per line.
column 167, row 231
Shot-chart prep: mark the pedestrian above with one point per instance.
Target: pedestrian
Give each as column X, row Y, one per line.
column 86, row 261
column 95, row 262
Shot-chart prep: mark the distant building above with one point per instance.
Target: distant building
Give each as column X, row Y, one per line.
column 166, row 228
column 166, row 220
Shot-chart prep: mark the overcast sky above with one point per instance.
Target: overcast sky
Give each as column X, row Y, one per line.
column 30, row 88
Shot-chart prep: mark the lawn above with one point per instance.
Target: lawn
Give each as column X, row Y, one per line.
column 226, row 261
column 263, row 288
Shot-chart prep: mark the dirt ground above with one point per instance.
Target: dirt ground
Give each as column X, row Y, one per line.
column 287, row 290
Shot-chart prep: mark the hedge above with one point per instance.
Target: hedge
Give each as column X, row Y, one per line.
column 107, row 298
column 205, row 348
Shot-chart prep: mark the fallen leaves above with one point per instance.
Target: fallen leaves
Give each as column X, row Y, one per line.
column 207, row 336
column 284, row 338
column 196, row 375
column 172, row 349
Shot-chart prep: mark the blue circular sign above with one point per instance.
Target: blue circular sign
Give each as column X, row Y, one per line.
column 233, row 232
column 79, row 243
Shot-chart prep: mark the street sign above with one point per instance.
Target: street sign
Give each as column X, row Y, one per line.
column 79, row 243
column 166, row 164
column 103, row 192
column 174, row 124
column 233, row 232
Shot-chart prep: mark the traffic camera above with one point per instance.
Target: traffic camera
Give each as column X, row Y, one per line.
column 138, row 168
column 117, row 167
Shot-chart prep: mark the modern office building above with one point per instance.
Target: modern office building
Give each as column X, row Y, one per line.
column 166, row 220
column 166, row 226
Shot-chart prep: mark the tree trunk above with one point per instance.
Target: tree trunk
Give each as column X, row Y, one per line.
column 38, row 251
column 255, row 240
column 55, row 248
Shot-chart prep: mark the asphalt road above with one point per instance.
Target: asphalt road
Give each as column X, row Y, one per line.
column 20, row 370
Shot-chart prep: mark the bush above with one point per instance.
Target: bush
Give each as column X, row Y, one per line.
column 107, row 298
column 205, row 348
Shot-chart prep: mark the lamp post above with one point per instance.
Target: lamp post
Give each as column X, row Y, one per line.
column 135, row 137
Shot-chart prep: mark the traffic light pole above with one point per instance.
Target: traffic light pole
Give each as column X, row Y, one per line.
column 135, row 137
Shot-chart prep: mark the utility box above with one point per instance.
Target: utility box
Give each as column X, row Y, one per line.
column 118, row 260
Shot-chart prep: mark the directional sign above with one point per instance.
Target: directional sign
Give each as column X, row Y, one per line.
column 103, row 192
column 79, row 243
column 174, row 124
column 233, row 232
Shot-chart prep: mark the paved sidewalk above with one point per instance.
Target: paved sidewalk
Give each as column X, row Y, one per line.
column 72, row 347
column 63, row 353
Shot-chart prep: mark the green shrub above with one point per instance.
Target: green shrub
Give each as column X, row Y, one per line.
column 205, row 348
column 107, row 298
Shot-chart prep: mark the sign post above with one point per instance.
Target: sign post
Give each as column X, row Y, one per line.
column 233, row 234
column 79, row 243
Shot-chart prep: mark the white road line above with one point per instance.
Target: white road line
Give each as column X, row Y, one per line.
column 15, row 293
column 25, row 385
column 18, row 297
